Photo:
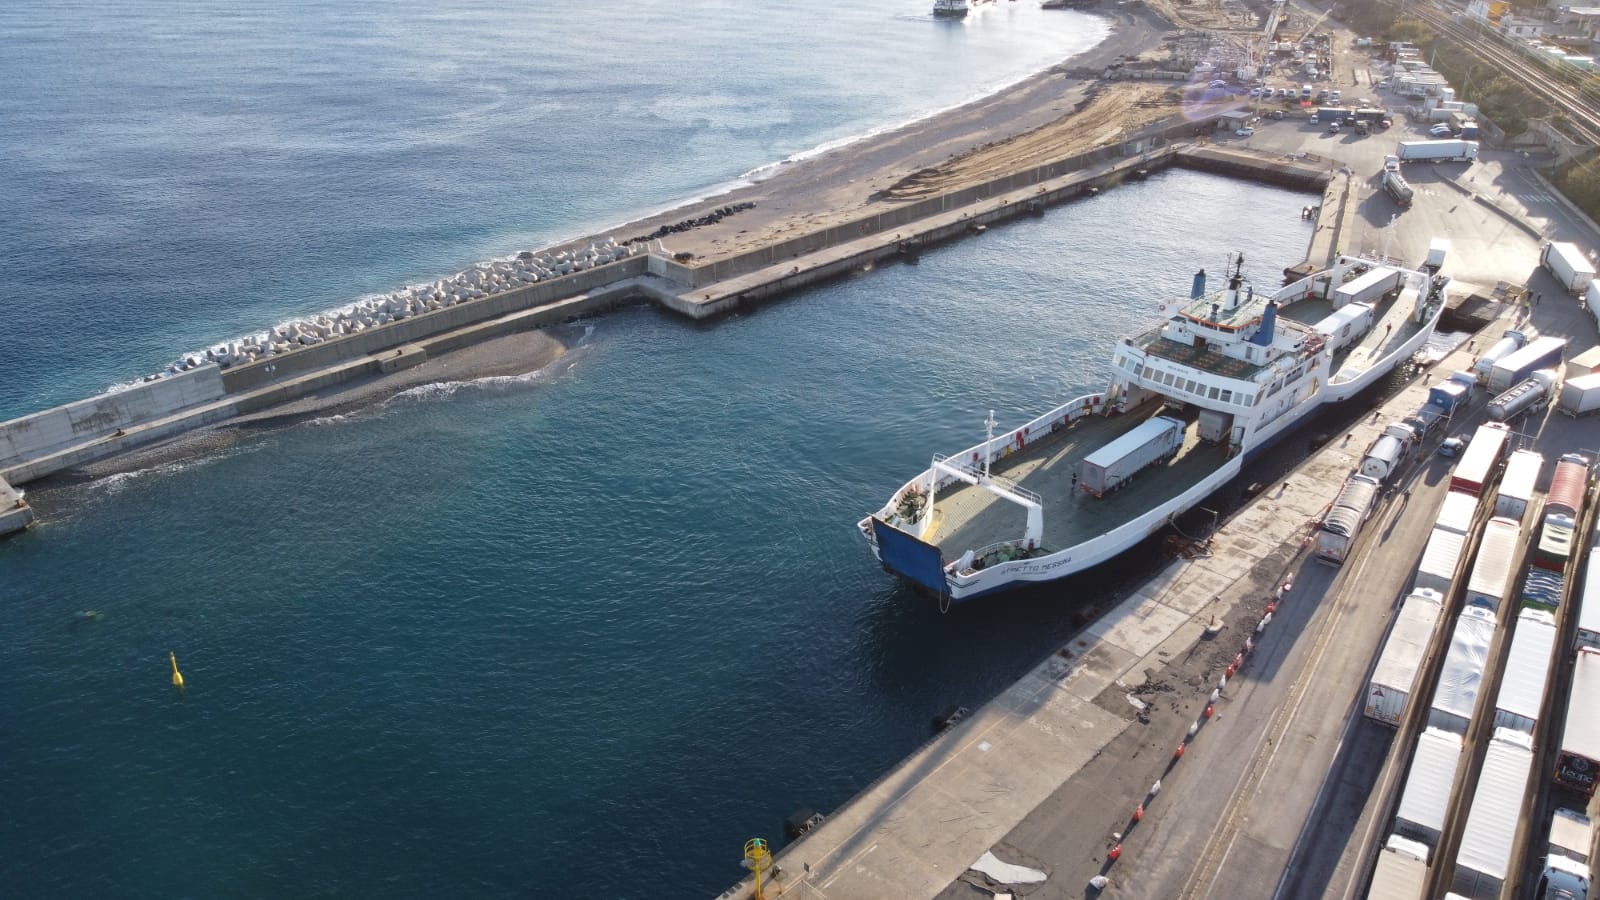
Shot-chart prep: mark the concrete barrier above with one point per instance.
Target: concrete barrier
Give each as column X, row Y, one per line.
column 41, row 433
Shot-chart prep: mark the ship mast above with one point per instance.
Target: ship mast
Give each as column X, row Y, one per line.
column 988, row 445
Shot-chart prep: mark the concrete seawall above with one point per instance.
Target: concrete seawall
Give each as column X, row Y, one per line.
column 80, row 433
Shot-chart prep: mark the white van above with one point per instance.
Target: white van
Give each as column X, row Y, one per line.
column 1306, row 92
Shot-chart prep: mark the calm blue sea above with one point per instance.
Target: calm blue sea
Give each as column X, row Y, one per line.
column 579, row 633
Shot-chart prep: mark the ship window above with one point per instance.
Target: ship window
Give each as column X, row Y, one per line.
column 1166, row 378
column 1188, row 385
column 1227, row 396
column 1214, row 392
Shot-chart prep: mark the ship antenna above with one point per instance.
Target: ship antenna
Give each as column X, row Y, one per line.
column 988, row 446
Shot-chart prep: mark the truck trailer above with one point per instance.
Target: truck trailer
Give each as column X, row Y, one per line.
column 1530, row 394
column 1567, row 486
column 1481, row 460
column 1396, row 186
column 1345, row 325
column 1509, row 343
column 1441, row 556
column 1517, row 484
column 1526, row 675
column 1566, row 865
column 1579, row 761
column 1490, row 581
column 1110, row 467
column 1342, row 524
column 1483, row 858
column 1462, row 674
column 1567, row 264
column 1383, row 458
column 1438, row 151
column 1396, row 672
column 1426, row 796
column 1581, row 395
column 1401, row 872
column 1542, row 353
column 1368, row 287
column 1438, row 248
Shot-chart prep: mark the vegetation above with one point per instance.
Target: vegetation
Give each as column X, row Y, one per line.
column 1579, row 180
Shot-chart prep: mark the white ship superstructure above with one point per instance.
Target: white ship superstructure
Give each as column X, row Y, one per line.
column 1225, row 374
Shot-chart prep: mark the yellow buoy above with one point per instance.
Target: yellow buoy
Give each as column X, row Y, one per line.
column 177, row 677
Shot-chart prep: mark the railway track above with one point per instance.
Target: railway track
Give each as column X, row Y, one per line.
column 1583, row 121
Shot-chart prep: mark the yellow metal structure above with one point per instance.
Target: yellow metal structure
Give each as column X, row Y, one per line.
column 757, row 857
column 177, row 677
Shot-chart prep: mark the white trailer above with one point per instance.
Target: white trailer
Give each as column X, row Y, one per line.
column 1589, row 601
column 1490, row 581
column 1111, row 466
column 1542, row 353
column 1527, row 671
column 1401, row 872
column 1396, row 672
column 1368, row 287
column 1509, row 343
column 1342, row 524
column 1426, row 796
column 1580, row 738
column 1457, row 691
column 1437, row 151
column 1439, row 559
column 1517, row 485
column 1585, row 363
column 1581, row 395
column 1568, row 265
column 1566, row 870
column 1345, row 325
column 1457, row 512
column 1484, row 856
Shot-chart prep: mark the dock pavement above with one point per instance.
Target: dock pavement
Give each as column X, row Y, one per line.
column 1102, row 717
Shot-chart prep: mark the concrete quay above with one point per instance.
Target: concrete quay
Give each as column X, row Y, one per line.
column 90, row 430
column 15, row 513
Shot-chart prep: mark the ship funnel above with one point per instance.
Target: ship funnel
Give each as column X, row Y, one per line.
column 1199, row 285
column 1269, row 320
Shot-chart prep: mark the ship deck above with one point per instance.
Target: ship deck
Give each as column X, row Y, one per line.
column 966, row 517
column 1376, row 344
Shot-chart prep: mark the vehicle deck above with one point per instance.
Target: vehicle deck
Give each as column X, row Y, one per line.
column 966, row 517
column 1373, row 346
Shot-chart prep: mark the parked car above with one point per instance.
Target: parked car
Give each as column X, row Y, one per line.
column 1333, row 96
column 1333, row 127
column 1277, row 114
column 1440, row 131
column 1246, row 131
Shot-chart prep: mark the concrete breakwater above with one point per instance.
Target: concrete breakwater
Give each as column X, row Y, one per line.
column 535, row 290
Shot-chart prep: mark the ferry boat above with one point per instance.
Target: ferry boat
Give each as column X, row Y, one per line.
column 1223, row 376
column 950, row 9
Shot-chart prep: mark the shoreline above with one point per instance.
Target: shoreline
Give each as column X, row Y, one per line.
column 809, row 194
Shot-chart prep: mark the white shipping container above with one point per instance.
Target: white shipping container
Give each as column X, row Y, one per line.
column 1579, row 761
column 1542, row 353
column 1439, row 559
column 1456, row 694
column 1457, row 512
column 1401, row 872
column 1517, row 484
column 1589, row 605
column 1484, row 856
column 1345, row 325
column 1527, row 671
column 1427, row 792
column 1368, row 287
column 1490, row 580
column 1396, row 672
column 1581, row 395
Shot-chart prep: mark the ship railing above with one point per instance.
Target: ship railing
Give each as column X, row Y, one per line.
column 976, row 472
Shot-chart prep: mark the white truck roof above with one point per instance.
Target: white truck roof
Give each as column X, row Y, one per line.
column 1131, row 441
column 1433, row 769
column 1462, row 674
column 1582, row 733
column 1457, row 512
column 1497, row 804
column 1522, row 686
column 1408, row 640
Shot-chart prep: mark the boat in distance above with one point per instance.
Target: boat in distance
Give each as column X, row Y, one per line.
column 950, row 9
column 1221, row 378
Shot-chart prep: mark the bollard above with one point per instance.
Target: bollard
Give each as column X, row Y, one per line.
column 1222, row 683
column 1215, row 694
column 1233, row 668
column 1249, row 644
column 1115, row 852
column 1272, row 606
column 1178, row 754
column 1209, row 710
column 1155, row 788
column 1194, row 728
column 1138, row 813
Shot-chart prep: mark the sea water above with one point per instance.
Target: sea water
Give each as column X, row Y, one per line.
column 582, row 632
